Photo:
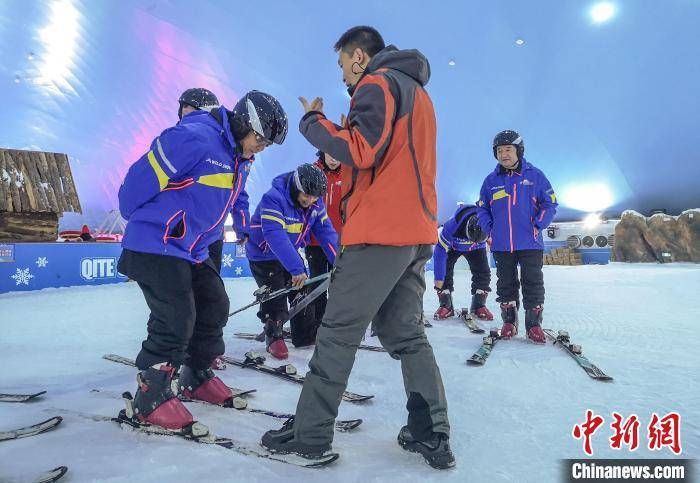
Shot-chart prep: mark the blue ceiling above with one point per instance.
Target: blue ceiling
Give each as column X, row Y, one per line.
column 609, row 111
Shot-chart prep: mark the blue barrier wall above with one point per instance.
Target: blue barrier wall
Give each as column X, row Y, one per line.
column 33, row 266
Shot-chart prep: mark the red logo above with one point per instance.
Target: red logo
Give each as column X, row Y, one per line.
column 587, row 430
column 665, row 432
column 661, row 432
column 627, row 433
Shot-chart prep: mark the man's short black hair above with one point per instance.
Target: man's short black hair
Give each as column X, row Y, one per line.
column 363, row 37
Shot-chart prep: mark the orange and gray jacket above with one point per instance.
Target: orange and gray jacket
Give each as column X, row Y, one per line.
column 387, row 148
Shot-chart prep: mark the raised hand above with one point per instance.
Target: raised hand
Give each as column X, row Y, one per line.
column 315, row 105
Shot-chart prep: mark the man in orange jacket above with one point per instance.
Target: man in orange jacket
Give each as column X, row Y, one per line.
column 388, row 209
column 315, row 257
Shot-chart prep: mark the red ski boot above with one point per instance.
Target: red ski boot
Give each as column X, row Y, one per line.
column 156, row 403
column 533, row 324
column 536, row 335
column 274, row 339
column 509, row 314
column 443, row 313
column 478, row 307
column 203, row 385
column 482, row 313
column 446, row 309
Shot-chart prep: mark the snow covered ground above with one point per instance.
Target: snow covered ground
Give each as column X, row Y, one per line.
column 511, row 419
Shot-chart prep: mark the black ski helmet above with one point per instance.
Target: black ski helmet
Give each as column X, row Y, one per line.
column 310, row 180
column 474, row 232
column 261, row 113
column 199, row 98
column 468, row 224
column 508, row 137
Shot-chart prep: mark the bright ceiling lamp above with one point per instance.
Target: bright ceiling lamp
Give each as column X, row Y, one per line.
column 592, row 220
column 602, row 12
column 588, row 197
column 60, row 40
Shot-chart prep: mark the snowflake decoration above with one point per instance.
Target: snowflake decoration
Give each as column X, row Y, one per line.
column 239, row 270
column 22, row 276
column 41, row 262
column 227, row 260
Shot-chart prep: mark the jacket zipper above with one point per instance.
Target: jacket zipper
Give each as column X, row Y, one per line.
column 510, row 224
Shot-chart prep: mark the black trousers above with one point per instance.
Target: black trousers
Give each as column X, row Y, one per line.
column 531, row 277
column 478, row 262
column 216, row 253
column 318, row 265
column 273, row 274
column 189, row 309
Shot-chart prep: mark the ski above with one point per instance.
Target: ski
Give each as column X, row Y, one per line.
column 53, row 475
column 249, row 336
column 130, row 362
column 286, row 372
column 20, row 397
column 469, row 321
column 483, row 352
column 342, row 425
column 263, row 294
column 574, row 350
column 302, row 301
column 189, row 434
column 32, row 430
column 241, row 405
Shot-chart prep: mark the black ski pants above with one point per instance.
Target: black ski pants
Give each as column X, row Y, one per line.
column 531, row 277
column 189, row 309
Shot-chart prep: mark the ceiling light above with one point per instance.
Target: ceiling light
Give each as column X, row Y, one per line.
column 591, row 220
column 602, row 12
column 589, row 197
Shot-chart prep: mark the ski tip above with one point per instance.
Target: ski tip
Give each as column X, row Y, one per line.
column 56, row 419
column 21, row 398
column 326, row 460
column 353, row 423
column 52, row 475
column 356, row 398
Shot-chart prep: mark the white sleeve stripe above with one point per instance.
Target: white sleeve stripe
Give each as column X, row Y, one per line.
column 164, row 158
